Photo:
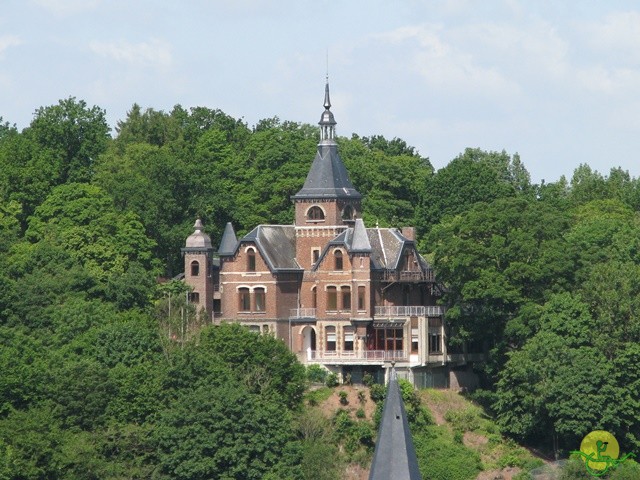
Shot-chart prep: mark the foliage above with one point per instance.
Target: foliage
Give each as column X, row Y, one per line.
column 331, row 380
column 316, row 373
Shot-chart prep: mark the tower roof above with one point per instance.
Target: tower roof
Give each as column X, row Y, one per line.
column 198, row 239
column 229, row 241
column 395, row 455
column 328, row 176
column 360, row 240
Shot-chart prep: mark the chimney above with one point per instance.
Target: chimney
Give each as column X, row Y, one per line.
column 409, row 233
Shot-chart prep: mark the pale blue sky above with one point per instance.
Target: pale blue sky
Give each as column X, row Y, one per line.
column 558, row 82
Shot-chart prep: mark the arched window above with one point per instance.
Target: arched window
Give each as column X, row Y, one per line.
column 346, row 298
column 244, row 300
column 195, row 268
column 314, row 297
column 332, row 298
column 338, row 260
column 251, row 260
column 331, row 338
column 260, row 299
column 347, row 213
column 315, row 213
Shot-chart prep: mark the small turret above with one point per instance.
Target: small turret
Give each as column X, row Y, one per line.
column 198, row 239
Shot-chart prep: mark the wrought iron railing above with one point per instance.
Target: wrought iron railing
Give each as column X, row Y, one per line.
column 409, row 311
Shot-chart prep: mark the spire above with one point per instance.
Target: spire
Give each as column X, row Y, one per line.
column 360, row 240
column 229, row 241
column 328, row 176
column 395, row 455
column 327, row 122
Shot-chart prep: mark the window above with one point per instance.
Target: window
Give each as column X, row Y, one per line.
column 315, row 255
column 347, row 213
column 332, row 298
column 244, row 300
column 414, row 335
column 315, row 213
column 259, row 296
column 331, row 338
column 361, row 298
column 254, row 328
column 435, row 343
column 195, row 269
column 314, row 297
column 338, row 259
column 346, row 298
column 251, row 260
column 194, row 297
column 348, row 339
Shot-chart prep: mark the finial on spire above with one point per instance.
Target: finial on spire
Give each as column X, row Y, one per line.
column 327, row 101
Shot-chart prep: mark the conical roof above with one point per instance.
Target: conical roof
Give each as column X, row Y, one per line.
column 328, row 176
column 229, row 241
column 395, row 455
column 360, row 239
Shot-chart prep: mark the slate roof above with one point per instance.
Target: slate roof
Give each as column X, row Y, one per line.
column 229, row 241
column 327, row 177
column 395, row 455
column 276, row 244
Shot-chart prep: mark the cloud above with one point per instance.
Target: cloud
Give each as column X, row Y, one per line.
column 67, row 7
column 154, row 53
column 445, row 64
column 8, row 41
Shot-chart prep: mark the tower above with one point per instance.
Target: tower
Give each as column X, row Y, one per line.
column 328, row 202
column 198, row 271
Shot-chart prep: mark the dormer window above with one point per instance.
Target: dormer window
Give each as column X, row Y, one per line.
column 195, row 268
column 315, row 213
column 337, row 255
column 251, row 260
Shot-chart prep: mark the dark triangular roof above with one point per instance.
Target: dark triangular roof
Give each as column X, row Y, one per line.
column 359, row 238
column 327, row 177
column 395, row 456
column 229, row 241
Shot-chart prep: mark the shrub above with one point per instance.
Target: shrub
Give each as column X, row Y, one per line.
column 368, row 380
column 343, row 397
column 360, row 413
column 466, row 420
column 332, row 380
column 316, row 374
column 362, row 398
column 377, row 393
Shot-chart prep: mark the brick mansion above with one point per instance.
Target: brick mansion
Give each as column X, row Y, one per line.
column 340, row 294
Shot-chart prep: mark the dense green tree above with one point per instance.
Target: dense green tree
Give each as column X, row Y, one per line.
column 474, row 176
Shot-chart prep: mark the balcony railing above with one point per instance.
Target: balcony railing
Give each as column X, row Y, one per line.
column 366, row 356
column 406, row 276
column 299, row 313
column 403, row 311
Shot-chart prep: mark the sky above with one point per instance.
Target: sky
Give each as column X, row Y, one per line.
column 557, row 82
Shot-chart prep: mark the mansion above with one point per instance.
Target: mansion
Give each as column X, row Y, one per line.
column 353, row 299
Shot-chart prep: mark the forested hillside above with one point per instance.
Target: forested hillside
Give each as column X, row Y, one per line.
column 107, row 374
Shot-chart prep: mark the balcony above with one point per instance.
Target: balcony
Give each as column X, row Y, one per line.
column 417, row 311
column 405, row 276
column 302, row 314
column 368, row 356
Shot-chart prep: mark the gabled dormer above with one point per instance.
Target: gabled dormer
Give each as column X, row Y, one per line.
column 327, row 198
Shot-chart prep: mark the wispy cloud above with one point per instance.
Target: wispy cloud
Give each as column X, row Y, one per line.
column 154, row 53
column 8, row 41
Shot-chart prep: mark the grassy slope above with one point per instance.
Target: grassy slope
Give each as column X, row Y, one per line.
column 461, row 433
